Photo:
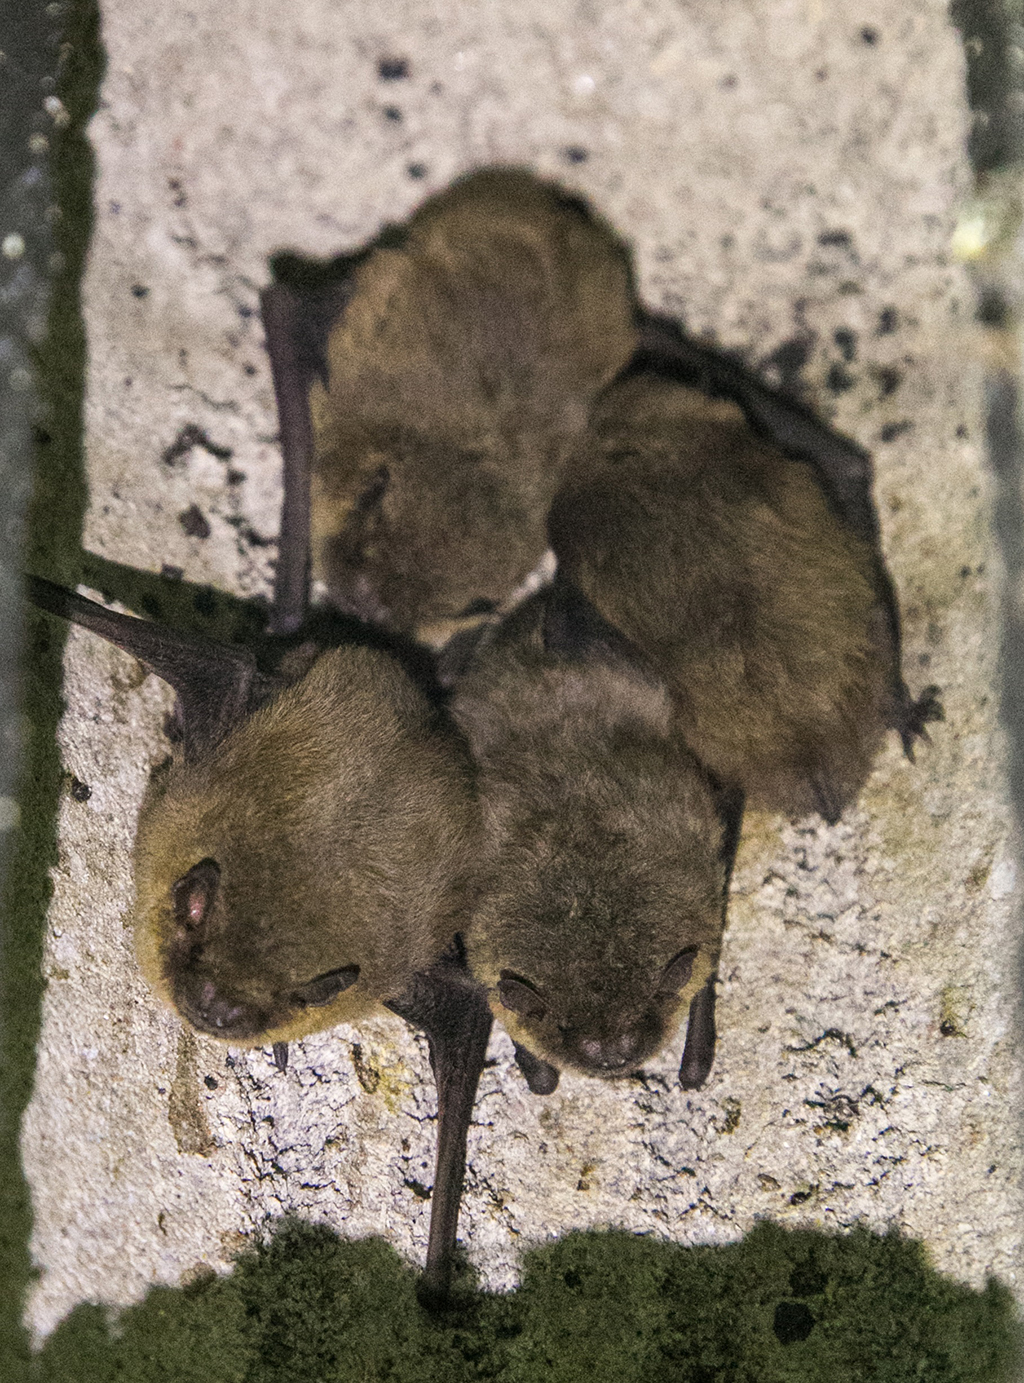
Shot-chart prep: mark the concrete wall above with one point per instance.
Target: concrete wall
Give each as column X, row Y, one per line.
column 788, row 174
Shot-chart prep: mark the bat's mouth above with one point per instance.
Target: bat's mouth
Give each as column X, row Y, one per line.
column 222, row 1014
column 619, row 1052
column 219, row 1013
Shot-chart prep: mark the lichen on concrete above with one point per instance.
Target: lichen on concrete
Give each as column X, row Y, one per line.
column 788, row 176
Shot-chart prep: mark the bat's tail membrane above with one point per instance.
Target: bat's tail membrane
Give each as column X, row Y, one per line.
column 214, row 682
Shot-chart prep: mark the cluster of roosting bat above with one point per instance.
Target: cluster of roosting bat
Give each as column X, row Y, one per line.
column 539, row 825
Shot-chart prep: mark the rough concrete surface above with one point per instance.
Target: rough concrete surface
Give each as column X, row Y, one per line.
column 785, row 171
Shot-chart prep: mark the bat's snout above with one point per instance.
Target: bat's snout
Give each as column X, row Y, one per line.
column 620, row 1052
column 216, row 1011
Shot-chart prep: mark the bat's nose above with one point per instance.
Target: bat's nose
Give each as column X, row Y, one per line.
column 216, row 1009
column 198, row 999
column 611, row 1053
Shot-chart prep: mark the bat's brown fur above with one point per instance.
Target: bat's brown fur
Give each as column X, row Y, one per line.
column 720, row 559
column 463, row 365
column 342, row 824
column 602, row 857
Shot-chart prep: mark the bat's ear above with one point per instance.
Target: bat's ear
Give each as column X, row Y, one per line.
column 214, row 682
column 573, row 628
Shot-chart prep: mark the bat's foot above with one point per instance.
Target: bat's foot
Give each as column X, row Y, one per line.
column 913, row 716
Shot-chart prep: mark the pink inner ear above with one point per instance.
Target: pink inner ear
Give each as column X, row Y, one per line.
column 194, row 894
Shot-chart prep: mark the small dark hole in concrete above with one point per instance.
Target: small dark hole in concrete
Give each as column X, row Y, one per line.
column 417, row 170
column 834, row 237
column 891, row 431
column 948, row 1028
column 839, row 379
column 888, row 320
column 846, row 340
column 194, row 522
column 392, row 113
column 789, row 358
column 210, row 1082
column 392, row 69
column 888, row 380
column 139, row 290
column 80, row 791
column 249, row 370
column 869, row 36
column 575, row 154
column 793, row 1322
column 992, row 309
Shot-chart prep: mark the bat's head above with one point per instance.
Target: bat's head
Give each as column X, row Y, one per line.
column 307, row 852
column 600, row 922
column 603, row 875
column 601, row 1033
column 387, row 557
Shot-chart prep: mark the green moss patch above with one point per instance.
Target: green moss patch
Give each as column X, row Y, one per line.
column 781, row 1306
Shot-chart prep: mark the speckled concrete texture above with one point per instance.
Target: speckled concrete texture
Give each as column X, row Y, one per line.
column 788, row 174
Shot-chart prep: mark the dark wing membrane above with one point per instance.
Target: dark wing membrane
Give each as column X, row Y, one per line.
column 297, row 321
column 216, row 684
column 452, row 1009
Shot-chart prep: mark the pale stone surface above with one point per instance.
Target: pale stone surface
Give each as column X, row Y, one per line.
column 783, row 170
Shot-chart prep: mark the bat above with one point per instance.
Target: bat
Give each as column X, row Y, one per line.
column 738, row 553
column 607, row 849
column 309, row 849
column 429, row 390
column 308, row 856
column 718, row 537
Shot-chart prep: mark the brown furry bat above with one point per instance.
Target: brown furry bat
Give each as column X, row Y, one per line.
column 723, row 562
column 310, row 850
column 309, row 856
column 438, row 382
column 604, row 871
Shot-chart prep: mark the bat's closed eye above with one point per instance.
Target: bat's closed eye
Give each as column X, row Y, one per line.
column 194, row 894
column 677, row 972
column 325, row 987
column 520, row 997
